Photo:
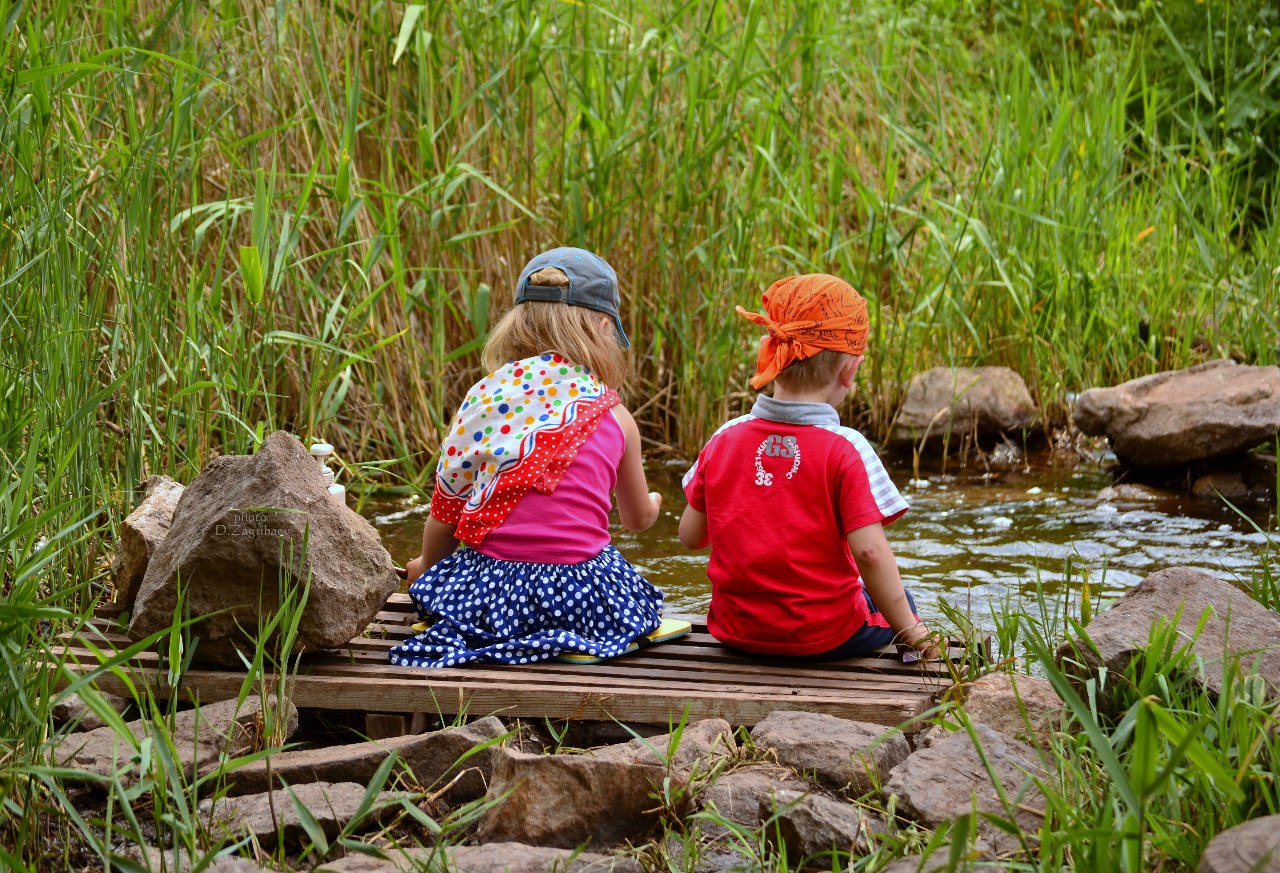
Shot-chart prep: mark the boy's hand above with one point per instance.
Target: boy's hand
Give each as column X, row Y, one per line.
column 919, row 637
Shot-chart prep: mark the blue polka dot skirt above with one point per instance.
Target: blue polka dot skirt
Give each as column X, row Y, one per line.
column 490, row 611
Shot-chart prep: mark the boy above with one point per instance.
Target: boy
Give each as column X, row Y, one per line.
column 793, row 504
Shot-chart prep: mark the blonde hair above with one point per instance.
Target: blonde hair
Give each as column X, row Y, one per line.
column 811, row 373
column 538, row 327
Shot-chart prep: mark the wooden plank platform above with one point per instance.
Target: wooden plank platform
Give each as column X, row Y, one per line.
column 653, row 686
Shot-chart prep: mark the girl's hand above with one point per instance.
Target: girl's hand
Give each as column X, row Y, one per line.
column 656, row 499
column 415, row 568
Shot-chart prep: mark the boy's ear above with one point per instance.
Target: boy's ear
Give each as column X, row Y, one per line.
column 849, row 369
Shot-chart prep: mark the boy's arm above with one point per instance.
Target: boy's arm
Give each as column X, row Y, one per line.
column 438, row 543
column 880, row 574
column 693, row 529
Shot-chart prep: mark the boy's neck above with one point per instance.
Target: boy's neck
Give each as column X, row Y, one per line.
column 821, row 395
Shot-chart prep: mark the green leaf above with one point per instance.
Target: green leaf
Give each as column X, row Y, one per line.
column 251, row 272
column 309, row 823
column 411, row 15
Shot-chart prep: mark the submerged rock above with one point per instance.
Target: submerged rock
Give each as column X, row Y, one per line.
column 1179, row 417
column 141, row 534
column 947, row 403
column 1236, row 627
column 249, row 525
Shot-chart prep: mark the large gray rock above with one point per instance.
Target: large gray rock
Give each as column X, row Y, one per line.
column 699, row 745
column 740, row 794
column 949, row 779
column 1237, row 626
column 566, row 801
column 271, row 818
column 1021, row 706
column 432, row 759
column 946, row 403
column 810, row 825
column 1182, row 416
column 1252, row 847
column 201, row 739
column 140, row 534
column 842, row 755
column 244, row 527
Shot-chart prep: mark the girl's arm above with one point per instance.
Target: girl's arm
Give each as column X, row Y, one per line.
column 880, row 574
column 637, row 505
column 438, row 543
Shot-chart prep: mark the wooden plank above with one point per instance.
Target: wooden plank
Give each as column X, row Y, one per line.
column 652, row 705
column 634, row 669
column 713, row 657
column 552, row 682
column 694, row 673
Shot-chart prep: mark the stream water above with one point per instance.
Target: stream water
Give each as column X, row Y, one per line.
column 976, row 537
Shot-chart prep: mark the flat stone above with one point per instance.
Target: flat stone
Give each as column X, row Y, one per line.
column 140, row 534
column 181, row 862
column 1020, row 706
column 810, row 825
column 519, row 858
column 740, row 794
column 431, row 758
column 249, row 526
column 566, row 801
column 72, row 710
column 1237, row 626
column 948, row 779
column 699, row 744
column 946, row 403
column 842, row 755
column 1212, row 410
column 486, row 858
column 1252, row 847
column 332, row 805
column 201, row 738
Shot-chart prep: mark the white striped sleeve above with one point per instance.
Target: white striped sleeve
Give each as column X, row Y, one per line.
column 888, row 499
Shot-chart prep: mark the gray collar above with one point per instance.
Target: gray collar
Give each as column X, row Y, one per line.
column 795, row 412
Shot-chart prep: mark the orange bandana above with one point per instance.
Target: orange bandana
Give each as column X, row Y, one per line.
column 807, row 314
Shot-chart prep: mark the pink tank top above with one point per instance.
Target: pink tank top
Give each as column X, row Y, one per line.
column 571, row 524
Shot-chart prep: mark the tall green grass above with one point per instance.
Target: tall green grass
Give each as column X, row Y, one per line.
column 217, row 219
column 306, row 216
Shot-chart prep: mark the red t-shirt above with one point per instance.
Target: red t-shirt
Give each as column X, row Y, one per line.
column 780, row 493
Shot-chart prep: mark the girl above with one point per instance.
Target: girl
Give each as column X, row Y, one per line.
column 524, row 482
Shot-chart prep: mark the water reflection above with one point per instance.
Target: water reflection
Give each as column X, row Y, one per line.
column 975, row 537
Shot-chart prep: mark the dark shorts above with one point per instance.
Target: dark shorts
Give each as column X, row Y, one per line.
column 873, row 635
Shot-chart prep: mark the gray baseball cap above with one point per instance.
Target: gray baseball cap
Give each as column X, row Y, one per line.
column 592, row 283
